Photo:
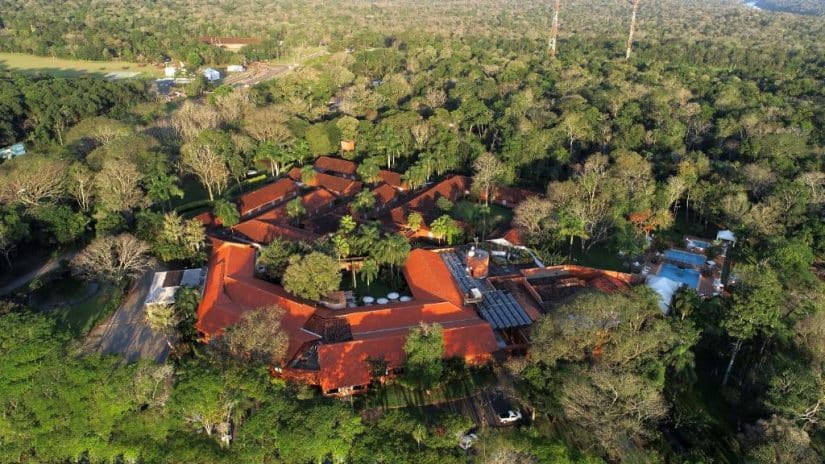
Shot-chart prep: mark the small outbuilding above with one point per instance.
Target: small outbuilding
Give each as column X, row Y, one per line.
column 211, row 74
column 235, row 68
column 726, row 236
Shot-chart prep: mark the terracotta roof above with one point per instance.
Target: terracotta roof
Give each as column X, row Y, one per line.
column 451, row 188
column 208, row 219
column 351, row 336
column 295, row 174
column 384, row 194
column 338, row 165
column 265, row 231
column 231, row 290
column 514, row 236
column 275, row 191
column 348, row 363
column 337, row 185
column 392, row 178
column 429, row 279
column 317, row 199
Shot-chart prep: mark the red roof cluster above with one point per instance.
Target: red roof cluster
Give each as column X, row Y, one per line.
column 335, row 165
column 368, row 333
column 452, row 188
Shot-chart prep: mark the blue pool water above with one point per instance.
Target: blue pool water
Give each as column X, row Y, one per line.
column 689, row 277
column 684, row 257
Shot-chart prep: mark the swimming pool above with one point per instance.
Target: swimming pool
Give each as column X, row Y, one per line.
column 689, row 277
column 684, row 257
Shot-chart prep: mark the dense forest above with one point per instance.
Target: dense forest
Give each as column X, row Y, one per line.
column 717, row 121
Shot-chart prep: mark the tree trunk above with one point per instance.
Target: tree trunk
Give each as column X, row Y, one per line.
column 209, row 190
column 632, row 29
column 736, row 347
column 554, row 30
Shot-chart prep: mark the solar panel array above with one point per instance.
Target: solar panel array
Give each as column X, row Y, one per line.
column 498, row 308
column 502, row 311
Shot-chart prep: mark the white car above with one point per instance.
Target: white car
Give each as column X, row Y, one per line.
column 510, row 417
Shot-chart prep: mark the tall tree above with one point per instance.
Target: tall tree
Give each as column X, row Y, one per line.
column 424, row 349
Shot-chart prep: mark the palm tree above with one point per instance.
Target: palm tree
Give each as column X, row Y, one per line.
column 369, row 270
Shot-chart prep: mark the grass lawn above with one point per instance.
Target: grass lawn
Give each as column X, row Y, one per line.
column 61, row 67
column 600, row 257
column 79, row 318
column 465, row 211
column 76, row 305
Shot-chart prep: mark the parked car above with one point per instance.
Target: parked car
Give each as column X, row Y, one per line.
column 510, row 416
column 504, row 411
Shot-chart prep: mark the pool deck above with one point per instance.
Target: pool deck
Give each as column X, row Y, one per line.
column 706, row 288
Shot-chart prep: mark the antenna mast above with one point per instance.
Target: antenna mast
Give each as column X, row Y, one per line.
column 635, row 4
column 554, row 30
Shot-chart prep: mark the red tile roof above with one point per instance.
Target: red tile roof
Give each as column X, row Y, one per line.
column 429, row 279
column 317, row 199
column 337, row 165
column 208, row 219
column 376, row 331
column 514, row 236
column 264, row 232
column 337, row 185
column 384, row 194
column 265, row 195
column 452, row 188
column 349, row 361
column 295, row 174
column 231, row 289
column 392, row 178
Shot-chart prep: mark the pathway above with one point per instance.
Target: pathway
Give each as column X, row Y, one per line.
column 126, row 332
column 47, row 267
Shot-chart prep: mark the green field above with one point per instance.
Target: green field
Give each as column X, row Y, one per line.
column 75, row 68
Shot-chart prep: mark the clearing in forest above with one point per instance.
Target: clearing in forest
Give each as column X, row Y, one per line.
column 61, row 67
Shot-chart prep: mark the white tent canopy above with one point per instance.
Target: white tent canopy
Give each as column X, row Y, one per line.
column 665, row 288
column 726, row 235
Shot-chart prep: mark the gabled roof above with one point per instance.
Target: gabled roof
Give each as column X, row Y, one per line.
column 429, row 279
column 317, row 199
column 264, row 195
column 337, row 185
column 231, row 290
column 295, row 174
column 393, row 179
column 338, row 165
column 264, row 232
column 384, row 194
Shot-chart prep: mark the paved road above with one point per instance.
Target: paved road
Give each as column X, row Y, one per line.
column 126, row 331
column 46, row 268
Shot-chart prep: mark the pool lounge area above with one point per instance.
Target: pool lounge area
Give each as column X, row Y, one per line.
column 689, row 277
